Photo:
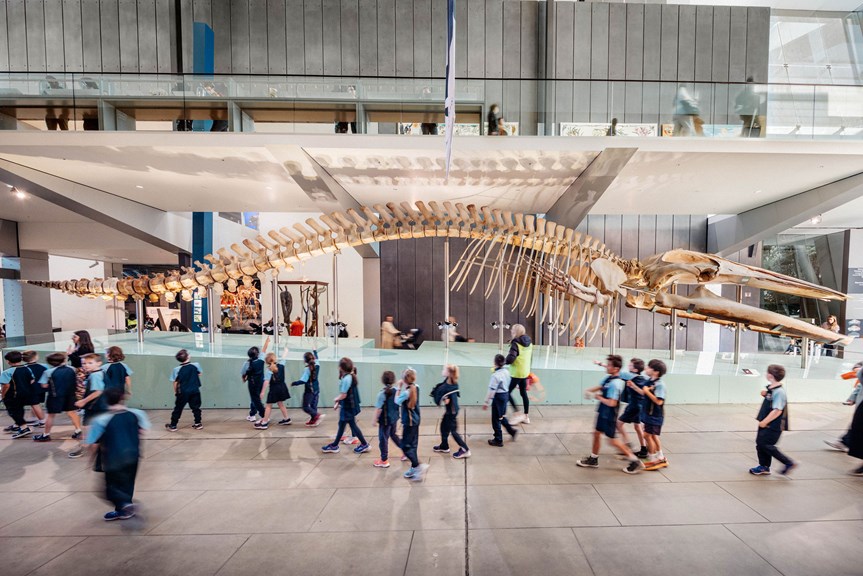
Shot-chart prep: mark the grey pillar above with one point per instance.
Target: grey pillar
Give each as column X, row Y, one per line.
column 238, row 120
column 672, row 340
column 738, row 333
column 112, row 119
column 35, row 301
column 139, row 312
column 213, row 314
column 446, row 327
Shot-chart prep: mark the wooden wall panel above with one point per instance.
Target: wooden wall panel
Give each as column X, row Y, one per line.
column 458, row 300
column 408, row 294
column 424, row 286
column 148, row 57
column 390, row 281
column 258, row 37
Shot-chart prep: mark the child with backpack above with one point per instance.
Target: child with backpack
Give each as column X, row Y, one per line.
column 447, row 393
column 274, row 378
column 31, row 360
column 387, row 418
column 60, row 382
column 409, row 401
column 348, row 405
column 252, row 373
column 93, row 401
column 117, row 374
column 311, row 389
column 16, row 387
column 186, row 380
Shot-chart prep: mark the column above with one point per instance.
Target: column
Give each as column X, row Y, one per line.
column 202, row 244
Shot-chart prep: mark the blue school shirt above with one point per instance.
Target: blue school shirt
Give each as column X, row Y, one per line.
column 254, row 369
column 268, row 374
column 776, row 399
column 20, row 379
column 63, row 377
column 96, row 382
column 409, row 417
column 500, row 380
column 187, row 377
column 37, row 370
column 612, row 386
column 386, row 403
column 115, row 374
column 350, row 406
column 652, row 413
column 100, row 422
column 310, row 381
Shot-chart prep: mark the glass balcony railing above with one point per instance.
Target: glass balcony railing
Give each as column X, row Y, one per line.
column 415, row 105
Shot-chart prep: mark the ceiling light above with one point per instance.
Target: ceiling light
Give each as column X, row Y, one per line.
column 18, row 193
column 139, row 186
column 815, row 220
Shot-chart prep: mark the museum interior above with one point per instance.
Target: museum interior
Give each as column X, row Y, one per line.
column 413, row 279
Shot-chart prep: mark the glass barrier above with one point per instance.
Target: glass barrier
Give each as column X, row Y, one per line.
column 414, row 105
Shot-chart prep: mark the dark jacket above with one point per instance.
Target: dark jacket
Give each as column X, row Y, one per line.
column 524, row 340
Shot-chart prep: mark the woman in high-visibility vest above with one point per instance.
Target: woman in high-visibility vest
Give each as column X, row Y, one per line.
column 518, row 360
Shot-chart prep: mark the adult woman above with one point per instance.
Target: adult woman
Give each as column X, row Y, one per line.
column 518, row 360
column 81, row 345
column 496, row 126
column 832, row 325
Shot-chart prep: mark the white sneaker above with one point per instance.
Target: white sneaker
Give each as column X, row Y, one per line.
column 252, row 418
column 526, row 419
column 420, row 473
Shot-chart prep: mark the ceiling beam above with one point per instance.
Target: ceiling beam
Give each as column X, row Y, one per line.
column 729, row 234
column 165, row 230
column 586, row 190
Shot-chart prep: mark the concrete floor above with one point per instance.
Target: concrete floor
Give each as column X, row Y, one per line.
column 232, row 500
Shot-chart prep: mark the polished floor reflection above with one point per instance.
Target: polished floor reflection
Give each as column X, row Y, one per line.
column 233, row 500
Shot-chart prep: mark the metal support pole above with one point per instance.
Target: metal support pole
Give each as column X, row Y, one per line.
column 804, row 353
column 446, row 327
column 500, row 312
column 139, row 312
column 336, row 299
column 213, row 316
column 117, row 316
column 275, row 283
column 614, row 330
column 738, row 334
column 672, row 338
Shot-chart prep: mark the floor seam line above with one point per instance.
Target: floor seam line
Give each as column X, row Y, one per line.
column 742, row 502
column 180, row 509
column 82, row 538
column 408, row 555
column 583, row 553
column 616, row 519
column 742, row 541
column 228, row 559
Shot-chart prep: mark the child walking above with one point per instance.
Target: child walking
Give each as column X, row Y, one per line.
column 94, row 385
column 608, row 394
column 348, row 405
column 274, row 376
column 408, row 400
column 772, row 420
column 311, row 389
column 31, row 360
column 116, row 436
column 632, row 413
column 59, row 381
column 186, row 380
column 253, row 375
column 387, row 418
column 16, row 387
column 447, row 393
column 117, row 374
column 652, row 412
column 498, row 395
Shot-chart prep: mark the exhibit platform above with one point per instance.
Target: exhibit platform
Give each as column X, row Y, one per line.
column 693, row 377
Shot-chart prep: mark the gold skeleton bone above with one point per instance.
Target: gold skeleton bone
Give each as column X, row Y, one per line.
column 531, row 257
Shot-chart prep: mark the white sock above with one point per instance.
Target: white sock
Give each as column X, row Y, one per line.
column 592, row 455
column 651, row 457
column 660, row 455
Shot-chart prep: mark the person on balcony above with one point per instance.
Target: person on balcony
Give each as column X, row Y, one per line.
column 748, row 107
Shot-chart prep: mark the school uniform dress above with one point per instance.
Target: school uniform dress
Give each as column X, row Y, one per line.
column 311, row 389
column 61, row 382
column 188, row 378
column 253, row 370
column 767, row 437
column 115, row 375
column 118, row 435
column 95, row 381
column 606, row 416
column 632, row 399
column 39, row 393
column 278, row 390
column 388, row 421
column 499, row 384
column 349, row 407
column 410, row 425
column 20, row 392
column 653, row 414
column 449, row 423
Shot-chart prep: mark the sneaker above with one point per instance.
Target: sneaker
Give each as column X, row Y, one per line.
column 350, row 440
column 514, row 434
column 76, row 434
column 330, row 449
column 420, row 473
column 495, row 443
column 309, row 422
column 124, row 514
column 461, row 453
column 251, row 418
column 403, row 458
column 113, row 515
column 655, row 465
column 10, row 429
column 760, row 471
column 34, row 421
column 381, row 464
column 171, row 427
column 526, row 419
column 76, row 453
column 128, row 511
column 634, row 467
column 837, row 445
column 317, row 420
column 21, row 433
column 40, row 424
column 410, row 473
column 197, row 426
column 588, row 462
column 262, row 425
column 284, row 421
column 642, row 454
column 441, row 450
column 42, row 438
column 788, row 468
column 857, row 472
column 362, row 448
